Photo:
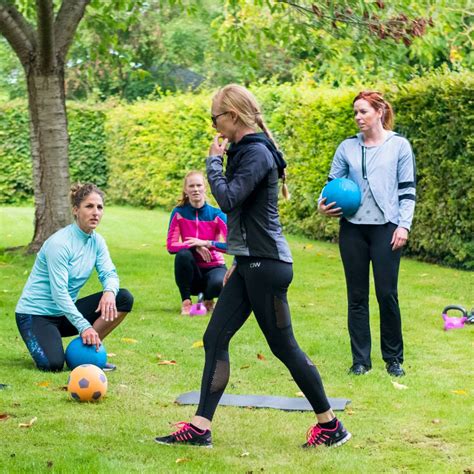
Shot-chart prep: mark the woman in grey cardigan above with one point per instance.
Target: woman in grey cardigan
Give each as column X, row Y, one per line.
column 382, row 164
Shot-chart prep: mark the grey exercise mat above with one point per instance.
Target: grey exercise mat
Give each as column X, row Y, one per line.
column 263, row 401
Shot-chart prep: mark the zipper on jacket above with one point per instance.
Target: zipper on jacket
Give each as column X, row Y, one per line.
column 197, row 224
column 364, row 163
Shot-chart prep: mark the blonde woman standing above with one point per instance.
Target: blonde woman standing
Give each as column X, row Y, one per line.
column 247, row 191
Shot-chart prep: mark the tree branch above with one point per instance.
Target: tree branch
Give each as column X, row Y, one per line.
column 66, row 23
column 17, row 31
column 45, row 19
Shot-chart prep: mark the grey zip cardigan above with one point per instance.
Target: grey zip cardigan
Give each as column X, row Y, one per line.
column 390, row 172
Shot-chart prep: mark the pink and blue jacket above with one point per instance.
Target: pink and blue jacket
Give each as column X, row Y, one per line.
column 206, row 223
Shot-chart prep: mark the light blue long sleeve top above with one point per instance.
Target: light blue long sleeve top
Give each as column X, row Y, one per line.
column 389, row 169
column 62, row 267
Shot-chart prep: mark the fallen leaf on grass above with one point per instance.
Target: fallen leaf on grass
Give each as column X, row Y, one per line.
column 4, row 416
column 245, row 366
column 299, row 394
column 129, row 340
column 29, row 424
column 167, row 362
column 399, row 386
column 180, row 460
column 349, row 411
column 260, row 356
column 197, row 344
column 45, row 383
column 459, row 392
column 111, row 354
column 244, row 454
column 159, row 356
column 436, row 421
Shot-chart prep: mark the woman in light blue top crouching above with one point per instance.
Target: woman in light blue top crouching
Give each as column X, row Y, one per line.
column 47, row 309
column 381, row 162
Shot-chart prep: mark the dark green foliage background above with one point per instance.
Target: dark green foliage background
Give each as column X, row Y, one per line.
column 141, row 152
column 87, row 156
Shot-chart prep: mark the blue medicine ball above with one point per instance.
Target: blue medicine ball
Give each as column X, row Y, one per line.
column 78, row 353
column 345, row 193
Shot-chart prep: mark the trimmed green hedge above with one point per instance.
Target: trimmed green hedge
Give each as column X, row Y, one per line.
column 86, row 151
column 15, row 163
column 151, row 145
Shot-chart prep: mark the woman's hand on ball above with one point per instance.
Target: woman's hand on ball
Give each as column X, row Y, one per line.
column 329, row 210
column 91, row 338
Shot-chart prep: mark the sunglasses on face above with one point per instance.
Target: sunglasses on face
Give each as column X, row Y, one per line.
column 215, row 117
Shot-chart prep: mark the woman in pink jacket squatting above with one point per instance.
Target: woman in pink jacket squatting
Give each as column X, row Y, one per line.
column 197, row 235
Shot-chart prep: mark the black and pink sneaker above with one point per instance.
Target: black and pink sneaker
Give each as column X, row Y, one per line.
column 187, row 434
column 330, row 437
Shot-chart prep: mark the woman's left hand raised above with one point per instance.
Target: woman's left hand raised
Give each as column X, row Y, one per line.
column 218, row 146
column 399, row 238
column 107, row 307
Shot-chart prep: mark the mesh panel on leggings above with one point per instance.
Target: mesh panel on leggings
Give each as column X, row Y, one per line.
column 282, row 313
column 221, row 376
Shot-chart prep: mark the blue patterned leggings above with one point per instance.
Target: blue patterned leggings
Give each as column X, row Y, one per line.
column 43, row 334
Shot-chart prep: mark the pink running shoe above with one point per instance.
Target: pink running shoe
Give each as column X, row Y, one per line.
column 187, row 434
column 186, row 307
column 331, row 438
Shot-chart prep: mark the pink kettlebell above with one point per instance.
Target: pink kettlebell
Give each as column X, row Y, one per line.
column 451, row 322
column 198, row 309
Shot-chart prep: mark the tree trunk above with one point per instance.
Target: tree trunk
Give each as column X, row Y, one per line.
column 49, row 149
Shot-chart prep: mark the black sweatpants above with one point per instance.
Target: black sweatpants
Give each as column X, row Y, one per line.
column 192, row 280
column 42, row 334
column 359, row 245
column 258, row 285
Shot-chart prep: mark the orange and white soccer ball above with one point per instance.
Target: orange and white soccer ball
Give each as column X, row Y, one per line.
column 87, row 383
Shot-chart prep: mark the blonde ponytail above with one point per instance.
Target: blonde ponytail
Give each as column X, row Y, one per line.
column 238, row 99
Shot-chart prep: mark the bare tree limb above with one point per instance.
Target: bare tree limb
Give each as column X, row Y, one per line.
column 45, row 15
column 17, row 31
column 66, row 23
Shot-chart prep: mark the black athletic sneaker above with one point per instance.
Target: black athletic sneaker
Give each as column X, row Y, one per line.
column 187, row 434
column 358, row 369
column 395, row 369
column 331, row 438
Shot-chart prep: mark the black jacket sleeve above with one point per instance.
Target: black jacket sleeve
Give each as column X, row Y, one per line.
column 254, row 164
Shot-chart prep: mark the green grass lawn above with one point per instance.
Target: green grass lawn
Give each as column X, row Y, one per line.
column 424, row 428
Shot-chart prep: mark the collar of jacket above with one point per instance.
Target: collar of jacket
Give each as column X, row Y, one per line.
column 236, row 148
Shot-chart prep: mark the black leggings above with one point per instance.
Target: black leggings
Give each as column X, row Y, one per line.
column 258, row 285
column 359, row 245
column 192, row 280
column 42, row 334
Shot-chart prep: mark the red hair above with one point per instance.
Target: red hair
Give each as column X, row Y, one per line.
column 376, row 101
